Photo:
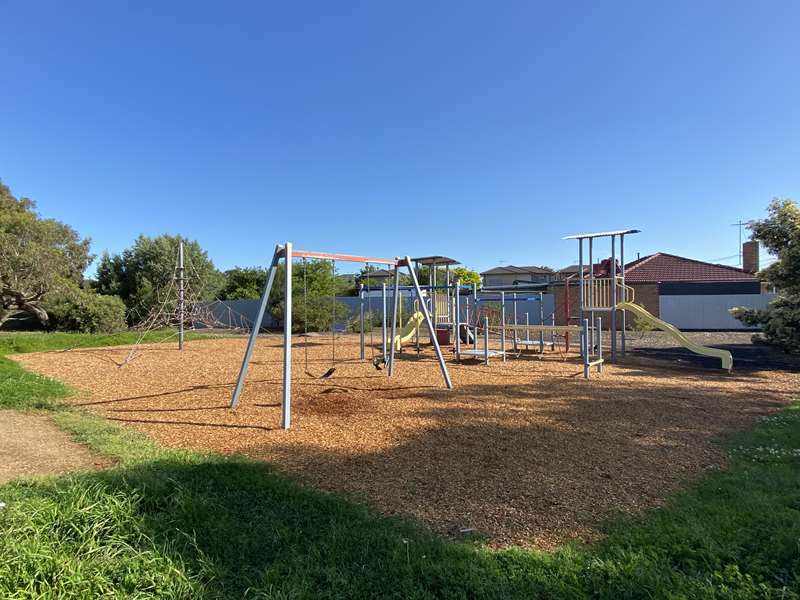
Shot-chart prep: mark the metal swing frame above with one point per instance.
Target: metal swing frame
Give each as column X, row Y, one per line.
column 287, row 253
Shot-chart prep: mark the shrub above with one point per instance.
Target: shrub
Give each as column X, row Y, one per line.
column 780, row 323
column 82, row 310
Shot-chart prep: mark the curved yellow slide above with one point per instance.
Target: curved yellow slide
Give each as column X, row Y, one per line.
column 409, row 330
column 723, row 355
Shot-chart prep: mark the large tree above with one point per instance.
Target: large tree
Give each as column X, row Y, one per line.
column 243, row 283
column 37, row 256
column 780, row 234
column 144, row 274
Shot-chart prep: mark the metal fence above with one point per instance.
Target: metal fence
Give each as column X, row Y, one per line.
column 709, row 312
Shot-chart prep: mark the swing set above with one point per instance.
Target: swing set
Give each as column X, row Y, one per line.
column 287, row 253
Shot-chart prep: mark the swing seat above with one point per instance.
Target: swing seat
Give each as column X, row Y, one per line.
column 329, row 373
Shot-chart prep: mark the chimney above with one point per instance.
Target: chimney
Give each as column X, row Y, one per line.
column 750, row 256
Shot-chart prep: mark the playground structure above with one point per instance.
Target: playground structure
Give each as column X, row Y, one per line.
column 473, row 322
column 287, row 253
column 602, row 289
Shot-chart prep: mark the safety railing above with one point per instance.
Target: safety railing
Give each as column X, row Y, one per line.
column 597, row 292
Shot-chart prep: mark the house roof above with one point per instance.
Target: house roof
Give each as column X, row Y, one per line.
column 512, row 270
column 668, row 267
column 378, row 274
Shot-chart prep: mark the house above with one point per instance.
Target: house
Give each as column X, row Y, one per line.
column 511, row 275
column 689, row 293
column 377, row 277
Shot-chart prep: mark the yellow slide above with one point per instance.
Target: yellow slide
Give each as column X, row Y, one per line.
column 723, row 355
column 409, row 330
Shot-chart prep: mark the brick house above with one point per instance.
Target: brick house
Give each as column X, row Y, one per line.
column 657, row 275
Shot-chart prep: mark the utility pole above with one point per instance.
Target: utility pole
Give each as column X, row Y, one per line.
column 181, row 306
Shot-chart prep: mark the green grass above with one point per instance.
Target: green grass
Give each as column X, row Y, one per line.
column 173, row 524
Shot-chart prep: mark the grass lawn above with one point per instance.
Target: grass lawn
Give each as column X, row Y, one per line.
column 170, row 524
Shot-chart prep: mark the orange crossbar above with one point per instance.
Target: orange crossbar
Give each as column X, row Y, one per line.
column 346, row 257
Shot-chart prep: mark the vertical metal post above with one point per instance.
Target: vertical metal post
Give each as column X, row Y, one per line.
column 475, row 309
column 585, row 347
column 383, row 321
column 580, row 280
column 613, row 331
column 622, row 281
column 591, row 300
column 429, row 323
column 361, row 320
column 286, row 407
column 503, row 324
column 251, row 342
column 541, row 323
column 458, row 321
column 514, row 332
column 434, row 308
column 599, row 336
column 527, row 327
column 486, row 340
column 553, row 331
column 396, row 301
column 181, row 296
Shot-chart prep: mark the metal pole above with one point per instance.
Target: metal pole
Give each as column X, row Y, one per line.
column 613, row 331
column 553, row 331
column 434, row 308
column 457, row 321
column 251, row 342
column 541, row 323
column 383, row 320
column 396, row 301
column 580, row 280
column 475, row 309
column 585, row 348
column 591, row 300
column 181, row 298
column 514, row 333
column 503, row 324
column 527, row 327
column 622, row 281
column 286, row 409
column 486, row 340
column 599, row 329
column 431, row 331
column 361, row 320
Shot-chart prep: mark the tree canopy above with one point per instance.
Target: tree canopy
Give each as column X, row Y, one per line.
column 144, row 274
column 466, row 276
column 37, row 256
column 779, row 233
column 243, row 283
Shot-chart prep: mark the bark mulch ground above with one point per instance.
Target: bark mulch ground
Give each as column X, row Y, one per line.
column 526, row 452
column 34, row 445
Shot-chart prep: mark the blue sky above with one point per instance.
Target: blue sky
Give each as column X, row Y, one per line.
column 485, row 131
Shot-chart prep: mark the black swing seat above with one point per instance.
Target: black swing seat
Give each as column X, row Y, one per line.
column 328, row 374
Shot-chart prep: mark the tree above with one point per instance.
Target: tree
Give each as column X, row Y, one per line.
column 144, row 274
column 314, row 288
column 779, row 233
column 465, row 276
column 243, row 283
column 37, row 256
column 78, row 309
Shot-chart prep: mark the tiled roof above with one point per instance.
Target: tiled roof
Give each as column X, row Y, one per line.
column 668, row 267
column 511, row 269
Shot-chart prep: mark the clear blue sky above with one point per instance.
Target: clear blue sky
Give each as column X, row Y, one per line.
column 481, row 130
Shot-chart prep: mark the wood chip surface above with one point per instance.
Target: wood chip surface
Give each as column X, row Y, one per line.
column 525, row 452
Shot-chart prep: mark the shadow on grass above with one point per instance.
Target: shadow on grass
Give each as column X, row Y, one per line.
column 239, row 530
